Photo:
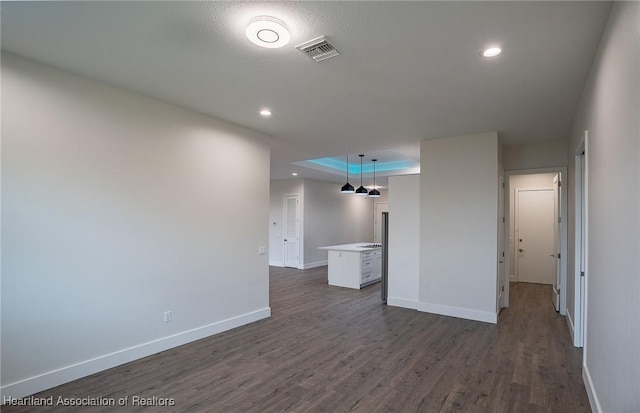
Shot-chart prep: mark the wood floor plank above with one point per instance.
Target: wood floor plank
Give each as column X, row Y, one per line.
column 332, row 349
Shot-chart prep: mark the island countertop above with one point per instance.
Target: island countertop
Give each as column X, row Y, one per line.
column 354, row 265
column 356, row 247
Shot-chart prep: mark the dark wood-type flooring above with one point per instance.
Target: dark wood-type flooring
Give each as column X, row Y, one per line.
column 331, row 349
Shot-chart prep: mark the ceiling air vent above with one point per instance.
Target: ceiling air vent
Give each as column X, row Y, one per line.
column 318, row 49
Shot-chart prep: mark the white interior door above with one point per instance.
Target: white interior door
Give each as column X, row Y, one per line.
column 557, row 219
column 536, row 258
column 291, row 231
column 379, row 208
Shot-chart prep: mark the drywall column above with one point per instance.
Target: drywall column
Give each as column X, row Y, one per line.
column 458, row 222
column 404, row 240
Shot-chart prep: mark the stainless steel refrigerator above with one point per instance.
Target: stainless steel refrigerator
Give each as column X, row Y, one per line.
column 385, row 256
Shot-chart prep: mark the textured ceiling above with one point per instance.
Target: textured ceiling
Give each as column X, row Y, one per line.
column 407, row 71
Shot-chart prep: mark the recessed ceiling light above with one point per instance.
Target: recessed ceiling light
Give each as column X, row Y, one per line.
column 492, row 52
column 265, row 112
column 295, row 174
column 267, row 31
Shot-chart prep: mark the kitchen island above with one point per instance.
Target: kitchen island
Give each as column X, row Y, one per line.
column 354, row 265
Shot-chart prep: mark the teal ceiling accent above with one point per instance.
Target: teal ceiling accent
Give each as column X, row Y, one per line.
column 354, row 167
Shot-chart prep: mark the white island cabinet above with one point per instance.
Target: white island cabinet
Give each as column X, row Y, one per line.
column 354, row 265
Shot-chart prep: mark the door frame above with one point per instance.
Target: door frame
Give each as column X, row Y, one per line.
column 578, row 325
column 562, row 170
column 557, row 201
column 516, row 211
column 503, row 276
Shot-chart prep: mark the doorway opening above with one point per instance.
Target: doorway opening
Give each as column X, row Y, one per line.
column 536, row 230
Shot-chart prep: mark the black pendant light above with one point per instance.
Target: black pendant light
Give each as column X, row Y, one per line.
column 347, row 188
column 374, row 193
column 362, row 191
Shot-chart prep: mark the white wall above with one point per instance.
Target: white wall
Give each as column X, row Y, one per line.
column 333, row 218
column 404, row 241
column 327, row 217
column 277, row 192
column 531, row 181
column 531, row 155
column 609, row 110
column 458, row 220
column 116, row 208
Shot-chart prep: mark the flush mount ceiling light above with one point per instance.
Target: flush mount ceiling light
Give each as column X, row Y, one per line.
column 492, row 52
column 267, row 31
column 265, row 112
column 347, row 188
column 362, row 191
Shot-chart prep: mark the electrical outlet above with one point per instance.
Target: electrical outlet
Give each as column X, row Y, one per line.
column 167, row 316
column 262, row 250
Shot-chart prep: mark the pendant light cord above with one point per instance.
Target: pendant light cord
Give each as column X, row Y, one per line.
column 347, row 168
column 374, row 173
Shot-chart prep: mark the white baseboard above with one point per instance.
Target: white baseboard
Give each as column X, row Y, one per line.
column 571, row 329
column 512, row 278
column 85, row 368
column 401, row 302
column 301, row 266
column 314, row 264
column 476, row 315
column 591, row 391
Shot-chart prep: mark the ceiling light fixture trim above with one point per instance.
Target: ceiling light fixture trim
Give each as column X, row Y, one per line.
column 492, row 52
column 267, row 31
